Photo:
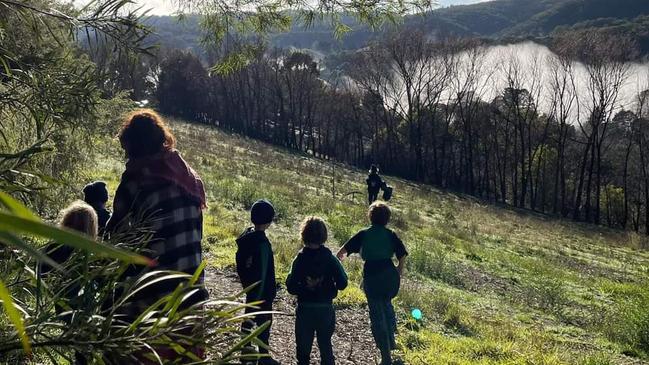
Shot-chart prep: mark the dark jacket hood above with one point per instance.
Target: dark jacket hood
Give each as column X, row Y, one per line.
column 250, row 237
column 320, row 251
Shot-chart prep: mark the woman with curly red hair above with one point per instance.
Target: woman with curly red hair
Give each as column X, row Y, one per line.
column 160, row 192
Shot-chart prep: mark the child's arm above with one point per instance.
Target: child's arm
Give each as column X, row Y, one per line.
column 400, row 251
column 341, row 253
column 293, row 282
column 402, row 263
column 340, row 276
column 263, row 268
column 352, row 246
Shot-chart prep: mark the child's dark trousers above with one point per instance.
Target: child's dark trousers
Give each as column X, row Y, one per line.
column 319, row 320
column 259, row 320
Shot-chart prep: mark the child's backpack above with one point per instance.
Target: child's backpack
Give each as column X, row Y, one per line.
column 315, row 272
column 387, row 192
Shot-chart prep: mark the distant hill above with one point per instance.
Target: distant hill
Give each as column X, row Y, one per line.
column 488, row 19
column 528, row 17
column 497, row 20
column 637, row 28
column 173, row 33
column 567, row 13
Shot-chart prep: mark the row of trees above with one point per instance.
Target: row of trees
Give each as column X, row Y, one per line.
column 540, row 132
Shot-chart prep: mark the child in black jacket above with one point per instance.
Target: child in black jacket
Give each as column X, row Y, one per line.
column 96, row 195
column 316, row 277
column 255, row 263
column 374, row 184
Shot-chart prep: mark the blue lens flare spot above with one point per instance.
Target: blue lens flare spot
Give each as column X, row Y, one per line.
column 416, row 314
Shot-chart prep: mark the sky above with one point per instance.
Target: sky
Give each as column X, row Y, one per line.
column 166, row 7
column 156, row 7
column 458, row 2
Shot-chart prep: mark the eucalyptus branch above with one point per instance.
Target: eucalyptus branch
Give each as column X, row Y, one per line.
column 36, row 10
column 125, row 30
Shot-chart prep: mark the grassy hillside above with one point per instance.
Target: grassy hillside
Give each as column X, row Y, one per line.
column 496, row 286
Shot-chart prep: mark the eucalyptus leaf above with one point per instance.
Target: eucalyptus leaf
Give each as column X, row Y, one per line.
column 15, row 317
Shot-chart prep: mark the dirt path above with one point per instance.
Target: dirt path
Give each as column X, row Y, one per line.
column 354, row 345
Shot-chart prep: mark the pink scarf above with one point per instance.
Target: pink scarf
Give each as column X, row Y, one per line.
column 167, row 166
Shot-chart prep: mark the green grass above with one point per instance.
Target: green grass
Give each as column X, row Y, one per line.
column 496, row 286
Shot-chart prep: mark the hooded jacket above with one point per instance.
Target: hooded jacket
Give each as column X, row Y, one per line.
column 374, row 182
column 255, row 263
column 316, row 276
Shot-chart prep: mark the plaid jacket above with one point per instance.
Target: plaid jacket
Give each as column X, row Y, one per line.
column 175, row 220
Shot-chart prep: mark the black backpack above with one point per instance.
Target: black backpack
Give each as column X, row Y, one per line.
column 387, row 192
column 318, row 267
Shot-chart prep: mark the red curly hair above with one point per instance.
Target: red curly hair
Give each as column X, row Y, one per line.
column 144, row 133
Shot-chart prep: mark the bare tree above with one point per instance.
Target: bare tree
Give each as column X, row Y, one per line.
column 563, row 99
column 605, row 59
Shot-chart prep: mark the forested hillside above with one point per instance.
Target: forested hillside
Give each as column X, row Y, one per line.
column 498, row 19
column 516, row 127
column 566, row 13
column 488, row 19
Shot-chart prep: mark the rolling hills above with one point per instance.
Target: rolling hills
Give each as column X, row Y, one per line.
column 496, row 286
column 501, row 20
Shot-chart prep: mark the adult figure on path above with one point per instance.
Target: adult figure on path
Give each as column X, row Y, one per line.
column 160, row 191
column 374, row 184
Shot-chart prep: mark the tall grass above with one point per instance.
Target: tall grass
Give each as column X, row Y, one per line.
column 496, row 286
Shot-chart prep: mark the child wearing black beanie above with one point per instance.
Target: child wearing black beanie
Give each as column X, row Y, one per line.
column 96, row 195
column 255, row 263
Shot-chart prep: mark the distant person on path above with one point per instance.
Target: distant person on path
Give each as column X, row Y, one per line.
column 381, row 279
column 374, row 184
column 96, row 195
column 159, row 190
column 316, row 277
column 255, row 263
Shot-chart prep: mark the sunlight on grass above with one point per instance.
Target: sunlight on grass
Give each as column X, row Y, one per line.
column 350, row 297
column 495, row 286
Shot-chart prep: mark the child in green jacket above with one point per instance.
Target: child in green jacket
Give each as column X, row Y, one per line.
column 381, row 279
column 255, row 264
column 316, row 277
